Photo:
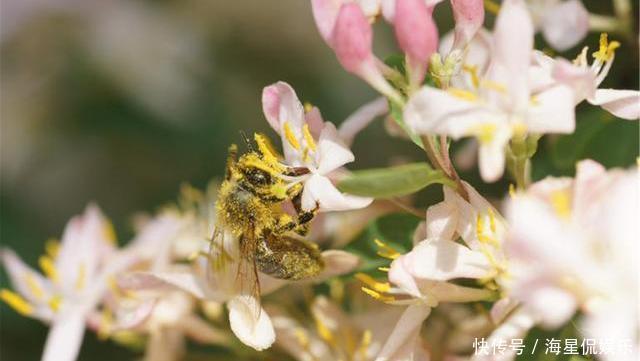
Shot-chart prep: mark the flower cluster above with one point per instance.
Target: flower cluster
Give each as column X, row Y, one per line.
column 555, row 253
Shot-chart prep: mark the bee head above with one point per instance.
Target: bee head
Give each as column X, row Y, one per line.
column 260, row 178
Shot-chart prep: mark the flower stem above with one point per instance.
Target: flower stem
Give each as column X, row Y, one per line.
column 443, row 162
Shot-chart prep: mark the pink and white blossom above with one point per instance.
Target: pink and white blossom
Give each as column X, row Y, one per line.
column 502, row 104
column 584, row 79
column 573, row 246
column 77, row 274
column 563, row 23
column 310, row 142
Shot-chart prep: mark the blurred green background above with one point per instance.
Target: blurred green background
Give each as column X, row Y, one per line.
column 119, row 102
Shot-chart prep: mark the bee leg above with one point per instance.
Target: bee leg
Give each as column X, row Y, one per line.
column 296, row 171
column 300, row 225
column 231, row 160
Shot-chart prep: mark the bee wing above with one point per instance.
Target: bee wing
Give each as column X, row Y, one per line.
column 247, row 279
column 233, row 268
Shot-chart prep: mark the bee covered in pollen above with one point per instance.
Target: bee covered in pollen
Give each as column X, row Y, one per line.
column 250, row 213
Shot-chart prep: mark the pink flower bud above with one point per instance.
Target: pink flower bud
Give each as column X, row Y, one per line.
column 469, row 16
column 416, row 32
column 352, row 38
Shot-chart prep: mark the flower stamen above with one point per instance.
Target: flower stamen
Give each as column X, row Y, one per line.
column 291, row 138
column 16, row 302
column 49, row 268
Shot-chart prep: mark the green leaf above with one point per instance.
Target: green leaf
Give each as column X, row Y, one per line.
column 395, row 230
column 599, row 136
column 392, row 181
column 396, row 61
column 396, row 115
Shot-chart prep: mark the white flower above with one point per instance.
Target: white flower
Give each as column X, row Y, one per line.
column 585, row 79
column 502, row 104
column 333, row 334
column 166, row 316
column 78, row 272
column 420, row 277
column 310, row 142
column 573, row 244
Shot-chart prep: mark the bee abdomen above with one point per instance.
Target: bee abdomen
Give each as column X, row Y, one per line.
column 288, row 258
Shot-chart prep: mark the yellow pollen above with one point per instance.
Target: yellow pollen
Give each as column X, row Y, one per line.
column 561, row 203
column 383, row 269
column 291, row 138
column 372, row 283
column 305, row 155
column 308, row 138
column 581, row 59
column 377, row 295
column 307, row 107
column 473, row 72
column 512, row 191
column 48, row 267
column 607, row 49
column 52, row 247
column 16, row 302
column 113, row 286
column 34, row 286
column 365, row 342
column 484, row 132
column 266, row 148
column 533, row 101
column 492, row 220
column 323, row 331
column 492, row 85
column 301, row 337
column 109, row 232
column 463, row 94
column 492, row 7
column 480, row 231
column 336, row 290
column 260, row 165
column 385, row 251
column 519, row 130
column 80, row 278
column 106, row 320
column 54, row 303
column 190, row 194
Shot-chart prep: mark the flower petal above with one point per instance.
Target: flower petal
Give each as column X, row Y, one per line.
column 621, row 103
column 442, row 260
column 186, row 281
column 491, row 156
column 401, row 342
column 435, row 111
column 469, row 16
column 513, row 44
column 86, row 239
column 20, row 275
column 65, row 338
column 362, row 117
column 352, row 38
column 565, row 24
column 553, row 111
column 253, row 330
column 320, row 189
column 442, row 220
column 332, row 153
column 325, row 13
column 337, row 262
column 515, row 327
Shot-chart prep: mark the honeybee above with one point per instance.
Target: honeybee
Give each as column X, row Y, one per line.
column 249, row 207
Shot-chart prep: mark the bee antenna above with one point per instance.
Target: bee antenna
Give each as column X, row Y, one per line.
column 247, row 141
